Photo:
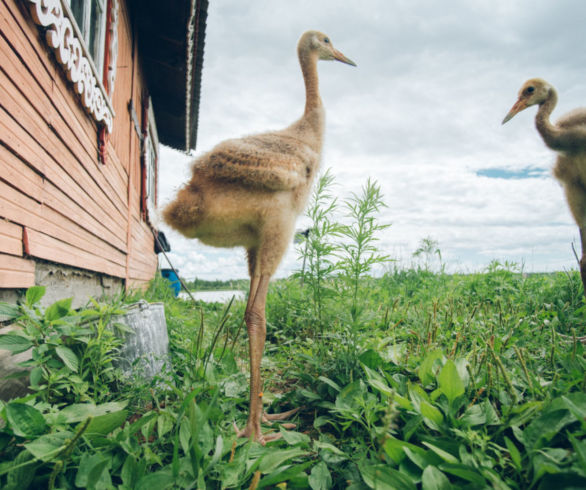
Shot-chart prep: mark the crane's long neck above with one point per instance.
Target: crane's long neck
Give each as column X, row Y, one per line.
column 552, row 136
column 308, row 62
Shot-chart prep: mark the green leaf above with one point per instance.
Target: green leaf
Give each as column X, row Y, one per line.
column 14, row 343
column 58, row 310
column 23, row 473
column 326, row 446
column 320, row 477
column 185, row 435
column 578, row 411
column 217, row 452
column 165, row 423
column 580, row 448
column 47, row 447
column 25, row 421
column 160, row 480
column 431, row 413
column 294, row 438
column 34, row 295
column 402, row 401
column 91, row 470
column 425, row 371
column 129, row 472
column 450, row 382
column 383, row 477
column 441, row 453
column 417, row 394
column 548, row 460
column 380, row 386
column 434, row 479
column 419, row 458
column 542, row 429
column 274, row 459
column 464, row 472
column 330, row 382
column 78, row 412
column 284, row 474
column 36, row 376
column 68, row 357
column 8, row 311
column 395, row 449
column 371, row 359
column 104, row 424
column 474, row 415
column 514, row 452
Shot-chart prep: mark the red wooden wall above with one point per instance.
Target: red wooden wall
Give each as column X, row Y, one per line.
column 57, row 201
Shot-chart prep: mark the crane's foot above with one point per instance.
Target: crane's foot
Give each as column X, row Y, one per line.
column 268, row 418
column 250, row 432
column 253, row 430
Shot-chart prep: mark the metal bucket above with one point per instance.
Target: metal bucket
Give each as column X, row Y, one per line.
column 146, row 350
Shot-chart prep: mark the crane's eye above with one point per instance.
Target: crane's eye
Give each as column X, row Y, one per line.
column 326, row 40
column 530, row 90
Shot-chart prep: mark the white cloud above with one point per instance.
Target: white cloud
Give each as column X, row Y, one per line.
column 421, row 113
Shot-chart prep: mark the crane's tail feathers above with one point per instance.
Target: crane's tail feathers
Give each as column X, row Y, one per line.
column 185, row 211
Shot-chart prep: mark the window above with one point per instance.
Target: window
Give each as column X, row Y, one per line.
column 90, row 17
column 150, row 160
column 151, row 173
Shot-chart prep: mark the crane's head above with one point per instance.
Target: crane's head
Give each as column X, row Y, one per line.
column 321, row 44
column 534, row 91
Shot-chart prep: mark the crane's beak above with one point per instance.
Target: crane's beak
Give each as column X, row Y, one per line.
column 517, row 107
column 340, row 57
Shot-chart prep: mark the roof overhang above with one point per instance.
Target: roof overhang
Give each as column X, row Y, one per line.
column 171, row 37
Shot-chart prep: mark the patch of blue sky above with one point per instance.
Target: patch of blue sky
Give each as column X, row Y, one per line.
column 503, row 173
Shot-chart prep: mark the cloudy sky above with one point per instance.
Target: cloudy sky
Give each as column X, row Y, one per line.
column 421, row 114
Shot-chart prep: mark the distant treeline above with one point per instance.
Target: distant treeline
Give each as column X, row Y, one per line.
column 203, row 285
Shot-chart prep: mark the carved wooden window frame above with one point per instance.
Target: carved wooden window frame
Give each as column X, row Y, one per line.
column 149, row 160
column 65, row 38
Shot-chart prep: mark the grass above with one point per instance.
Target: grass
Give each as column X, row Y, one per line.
column 455, row 381
column 413, row 380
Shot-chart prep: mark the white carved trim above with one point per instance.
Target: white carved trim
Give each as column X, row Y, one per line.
column 189, row 71
column 72, row 54
column 113, row 48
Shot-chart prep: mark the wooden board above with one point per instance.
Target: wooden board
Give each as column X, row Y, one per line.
column 48, row 247
column 38, row 217
column 16, row 272
column 32, row 184
column 47, row 154
column 10, row 238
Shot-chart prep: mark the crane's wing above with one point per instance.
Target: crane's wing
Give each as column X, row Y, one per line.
column 577, row 117
column 270, row 161
column 572, row 136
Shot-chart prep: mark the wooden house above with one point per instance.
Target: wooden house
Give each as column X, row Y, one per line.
column 88, row 90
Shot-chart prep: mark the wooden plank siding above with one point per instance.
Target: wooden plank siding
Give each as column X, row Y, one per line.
column 16, row 272
column 75, row 210
column 10, row 238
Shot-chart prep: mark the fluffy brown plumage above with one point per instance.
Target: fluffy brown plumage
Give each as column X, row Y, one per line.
column 568, row 138
column 248, row 192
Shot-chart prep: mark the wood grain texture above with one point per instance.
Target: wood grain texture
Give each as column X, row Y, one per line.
column 10, row 238
column 16, row 272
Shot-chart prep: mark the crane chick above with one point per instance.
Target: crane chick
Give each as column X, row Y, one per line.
column 248, row 192
column 567, row 137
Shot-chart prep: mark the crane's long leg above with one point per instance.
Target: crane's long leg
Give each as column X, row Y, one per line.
column 256, row 326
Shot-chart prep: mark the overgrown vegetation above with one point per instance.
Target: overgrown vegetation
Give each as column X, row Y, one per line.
column 416, row 379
